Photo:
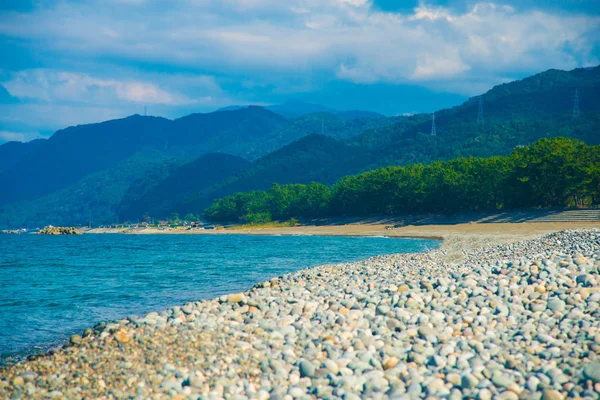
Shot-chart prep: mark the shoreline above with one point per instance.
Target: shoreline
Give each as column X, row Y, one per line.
column 377, row 228
column 9, row 361
column 454, row 237
column 215, row 326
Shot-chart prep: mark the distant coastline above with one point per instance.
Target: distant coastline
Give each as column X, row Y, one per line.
column 380, row 227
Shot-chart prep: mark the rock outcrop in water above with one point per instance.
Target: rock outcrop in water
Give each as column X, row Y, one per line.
column 57, row 230
column 515, row 321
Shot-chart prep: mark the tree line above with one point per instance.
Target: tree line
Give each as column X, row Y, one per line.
column 555, row 172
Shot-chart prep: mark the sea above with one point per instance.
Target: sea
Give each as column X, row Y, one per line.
column 54, row 286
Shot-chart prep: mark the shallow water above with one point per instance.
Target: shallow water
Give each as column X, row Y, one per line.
column 54, row 286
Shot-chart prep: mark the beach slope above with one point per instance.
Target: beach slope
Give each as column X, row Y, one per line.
column 517, row 320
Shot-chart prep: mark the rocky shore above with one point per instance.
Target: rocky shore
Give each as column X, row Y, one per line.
column 57, row 230
column 519, row 320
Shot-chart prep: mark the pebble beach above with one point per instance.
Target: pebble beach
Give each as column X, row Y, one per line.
column 519, row 320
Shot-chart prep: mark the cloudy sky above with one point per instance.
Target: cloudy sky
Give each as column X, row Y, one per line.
column 72, row 62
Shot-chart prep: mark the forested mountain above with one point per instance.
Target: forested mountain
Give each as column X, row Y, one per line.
column 354, row 114
column 295, row 108
column 248, row 132
column 515, row 113
column 158, row 197
column 67, row 165
column 91, row 199
column 102, row 161
column 519, row 113
column 314, row 157
column 335, row 125
column 555, row 172
column 12, row 152
column 74, row 153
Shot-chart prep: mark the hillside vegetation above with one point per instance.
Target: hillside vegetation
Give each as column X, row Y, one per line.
column 142, row 152
column 515, row 114
column 159, row 200
column 550, row 173
column 96, row 172
column 36, row 169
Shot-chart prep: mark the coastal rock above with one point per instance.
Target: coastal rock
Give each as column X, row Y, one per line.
column 592, row 371
column 18, row 381
column 306, row 368
column 551, row 395
column 56, row 230
column 556, row 305
column 236, row 298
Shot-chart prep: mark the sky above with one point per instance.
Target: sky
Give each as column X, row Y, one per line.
column 73, row 62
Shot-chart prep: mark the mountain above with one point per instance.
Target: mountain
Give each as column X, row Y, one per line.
column 12, row 152
column 296, row 108
column 74, row 153
column 240, row 132
column 333, row 125
column 358, row 114
column 518, row 113
column 231, row 108
column 312, row 158
column 515, row 113
column 94, row 198
column 149, row 150
column 159, row 199
column 556, row 172
column 120, row 153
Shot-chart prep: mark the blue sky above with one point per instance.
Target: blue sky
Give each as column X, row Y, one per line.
column 73, row 62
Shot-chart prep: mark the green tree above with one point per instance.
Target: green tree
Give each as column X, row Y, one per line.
column 189, row 217
column 550, row 173
column 174, row 219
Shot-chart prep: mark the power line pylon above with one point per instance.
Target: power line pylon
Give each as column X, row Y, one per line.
column 480, row 111
column 576, row 112
column 433, row 130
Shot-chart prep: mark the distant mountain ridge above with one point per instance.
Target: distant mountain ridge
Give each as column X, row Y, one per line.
column 158, row 199
column 12, row 152
column 409, row 139
column 35, row 169
column 282, row 150
column 296, row 108
column 41, row 176
column 312, row 158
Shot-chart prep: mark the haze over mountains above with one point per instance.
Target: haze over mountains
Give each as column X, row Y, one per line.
column 125, row 169
column 296, row 108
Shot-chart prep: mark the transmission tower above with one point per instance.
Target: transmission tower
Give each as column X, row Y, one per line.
column 433, row 130
column 576, row 112
column 480, row 111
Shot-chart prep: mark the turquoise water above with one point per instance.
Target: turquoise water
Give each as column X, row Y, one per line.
column 55, row 286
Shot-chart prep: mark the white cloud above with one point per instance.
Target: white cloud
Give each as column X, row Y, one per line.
column 51, row 85
column 438, row 66
column 52, row 100
column 348, row 38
